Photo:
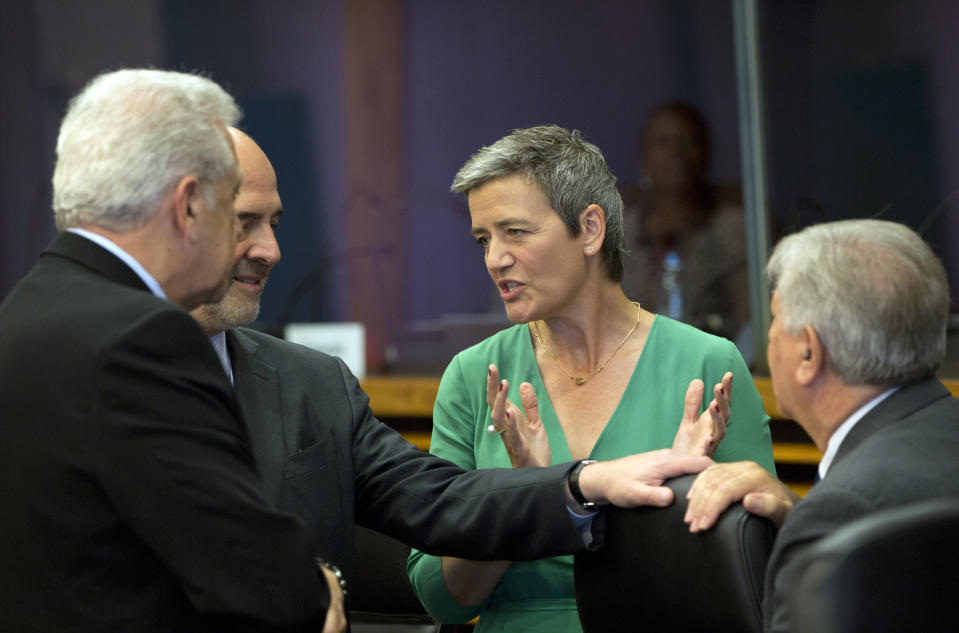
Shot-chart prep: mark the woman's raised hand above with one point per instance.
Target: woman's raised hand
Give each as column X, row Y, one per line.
column 522, row 433
column 701, row 436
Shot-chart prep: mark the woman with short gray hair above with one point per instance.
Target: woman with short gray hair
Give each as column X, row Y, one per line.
column 597, row 376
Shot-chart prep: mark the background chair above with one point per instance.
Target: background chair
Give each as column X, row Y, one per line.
column 652, row 574
column 381, row 598
column 892, row 571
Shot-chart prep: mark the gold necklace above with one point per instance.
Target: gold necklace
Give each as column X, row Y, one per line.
column 581, row 380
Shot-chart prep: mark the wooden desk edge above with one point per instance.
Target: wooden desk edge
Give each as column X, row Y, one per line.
column 413, row 396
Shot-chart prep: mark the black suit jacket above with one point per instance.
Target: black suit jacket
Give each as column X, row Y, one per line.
column 906, row 449
column 325, row 457
column 130, row 501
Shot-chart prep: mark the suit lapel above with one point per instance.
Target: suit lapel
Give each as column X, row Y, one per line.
column 257, row 388
column 908, row 399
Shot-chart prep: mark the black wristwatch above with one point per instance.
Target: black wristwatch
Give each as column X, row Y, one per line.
column 322, row 562
column 572, row 480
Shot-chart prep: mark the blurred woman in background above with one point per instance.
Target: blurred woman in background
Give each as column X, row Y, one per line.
column 685, row 235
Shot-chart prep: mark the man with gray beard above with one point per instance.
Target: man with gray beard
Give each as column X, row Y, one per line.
column 324, row 457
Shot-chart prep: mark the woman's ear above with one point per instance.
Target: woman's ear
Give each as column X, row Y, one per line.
column 592, row 224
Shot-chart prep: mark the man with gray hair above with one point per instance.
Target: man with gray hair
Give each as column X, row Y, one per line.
column 859, row 313
column 130, row 497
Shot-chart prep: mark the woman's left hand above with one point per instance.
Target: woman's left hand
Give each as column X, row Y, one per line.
column 702, row 436
column 523, row 436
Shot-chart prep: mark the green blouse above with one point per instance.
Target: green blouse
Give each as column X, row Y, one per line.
column 537, row 596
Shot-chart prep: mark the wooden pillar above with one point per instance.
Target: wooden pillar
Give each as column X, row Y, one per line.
column 375, row 211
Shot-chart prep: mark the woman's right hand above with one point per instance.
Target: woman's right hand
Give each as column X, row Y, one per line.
column 523, row 436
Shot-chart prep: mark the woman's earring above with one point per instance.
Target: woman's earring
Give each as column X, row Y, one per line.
column 589, row 250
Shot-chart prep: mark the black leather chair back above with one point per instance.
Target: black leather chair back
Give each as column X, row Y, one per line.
column 381, row 598
column 893, row 571
column 652, row 574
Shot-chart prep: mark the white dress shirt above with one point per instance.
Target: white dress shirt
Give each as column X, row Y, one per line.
column 835, row 440
column 127, row 258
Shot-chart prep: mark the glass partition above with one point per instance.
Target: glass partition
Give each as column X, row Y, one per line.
column 860, row 103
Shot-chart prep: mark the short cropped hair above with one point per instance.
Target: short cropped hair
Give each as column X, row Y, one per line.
column 570, row 172
column 129, row 137
column 874, row 292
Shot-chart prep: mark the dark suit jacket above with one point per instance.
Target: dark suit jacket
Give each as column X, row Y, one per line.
column 906, row 449
column 130, row 501
column 325, row 457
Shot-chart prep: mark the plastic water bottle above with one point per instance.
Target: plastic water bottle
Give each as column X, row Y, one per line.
column 672, row 264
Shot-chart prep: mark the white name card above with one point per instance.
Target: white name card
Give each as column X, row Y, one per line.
column 345, row 340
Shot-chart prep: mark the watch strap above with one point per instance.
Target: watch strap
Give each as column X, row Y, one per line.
column 572, row 480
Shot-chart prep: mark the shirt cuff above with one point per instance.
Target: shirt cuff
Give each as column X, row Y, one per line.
column 583, row 524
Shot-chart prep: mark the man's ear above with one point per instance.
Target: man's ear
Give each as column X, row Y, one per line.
column 592, row 225
column 186, row 196
column 812, row 356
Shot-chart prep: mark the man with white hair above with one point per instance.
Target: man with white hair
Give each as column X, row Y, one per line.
column 859, row 313
column 130, row 497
